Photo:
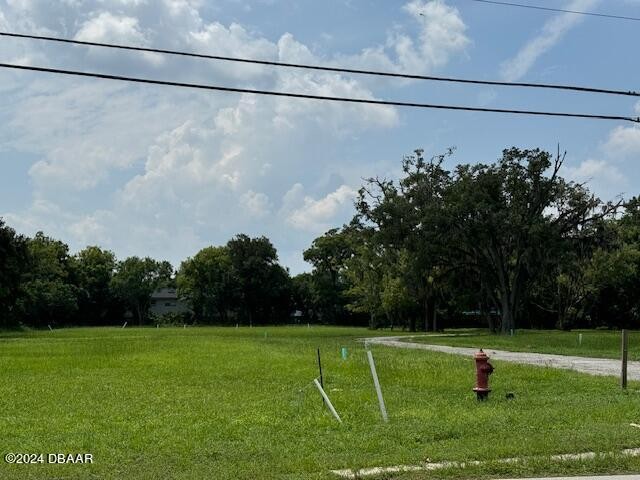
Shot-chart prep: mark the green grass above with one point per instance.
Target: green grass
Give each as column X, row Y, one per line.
column 215, row 403
column 595, row 343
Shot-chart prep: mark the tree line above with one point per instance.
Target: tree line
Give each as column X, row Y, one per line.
column 42, row 284
column 510, row 244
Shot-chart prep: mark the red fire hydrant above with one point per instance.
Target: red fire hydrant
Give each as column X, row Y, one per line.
column 483, row 370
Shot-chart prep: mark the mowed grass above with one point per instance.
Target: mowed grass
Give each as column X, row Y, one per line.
column 226, row 403
column 595, row 343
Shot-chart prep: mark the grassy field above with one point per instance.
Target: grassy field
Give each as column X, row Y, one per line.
column 595, row 343
column 215, row 403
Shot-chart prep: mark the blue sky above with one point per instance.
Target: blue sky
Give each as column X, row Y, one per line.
column 145, row 170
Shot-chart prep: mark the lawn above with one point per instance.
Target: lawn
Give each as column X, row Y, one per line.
column 595, row 343
column 216, row 403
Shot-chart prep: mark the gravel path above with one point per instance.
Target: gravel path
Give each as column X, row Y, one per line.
column 592, row 366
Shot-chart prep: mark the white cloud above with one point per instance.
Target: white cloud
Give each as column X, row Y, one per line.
column 442, row 35
column 216, row 39
column 109, row 28
column 624, row 141
column 602, row 176
column 319, row 215
column 596, row 170
column 99, row 128
column 608, row 174
column 120, row 29
column 163, row 172
column 93, row 229
column 552, row 32
column 257, row 204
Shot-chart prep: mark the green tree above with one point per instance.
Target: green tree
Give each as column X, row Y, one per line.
column 93, row 271
column 612, row 275
column 48, row 294
column 503, row 216
column 329, row 254
column 304, row 296
column 613, row 282
column 206, row 281
column 136, row 279
column 13, row 263
column 264, row 289
column 365, row 272
column 409, row 219
column 398, row 301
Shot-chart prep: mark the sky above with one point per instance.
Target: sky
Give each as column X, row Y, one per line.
column 163, row 172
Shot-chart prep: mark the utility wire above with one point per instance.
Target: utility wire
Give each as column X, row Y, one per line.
column 314, row 97
column 560, row 10
column 323, row 68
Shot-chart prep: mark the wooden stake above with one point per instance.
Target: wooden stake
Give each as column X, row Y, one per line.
column 625, row 352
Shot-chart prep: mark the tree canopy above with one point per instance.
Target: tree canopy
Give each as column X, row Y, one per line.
column 506, row 244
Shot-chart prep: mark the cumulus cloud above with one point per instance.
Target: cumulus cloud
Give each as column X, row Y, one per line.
column 442, row 35
column 317, row 216
column 602, row 176
column 92, row 229
column 624, row 141
column 151, row 170
column 108, row 28
column 214, row 38
column 552, row 32
column 100, row 128
column 598, row 170
column 257, row 204
column 607, row 172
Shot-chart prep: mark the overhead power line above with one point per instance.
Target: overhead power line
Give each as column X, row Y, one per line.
column 559, row 10
column 315, row 97
column 325, row 68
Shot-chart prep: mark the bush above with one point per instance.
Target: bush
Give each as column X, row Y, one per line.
column 172, row 319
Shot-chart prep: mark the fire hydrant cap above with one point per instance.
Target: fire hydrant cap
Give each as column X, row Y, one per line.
column 480, row 355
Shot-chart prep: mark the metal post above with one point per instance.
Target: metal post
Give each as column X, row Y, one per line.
column 625, row 352
column 320, row 368
column 374, row 374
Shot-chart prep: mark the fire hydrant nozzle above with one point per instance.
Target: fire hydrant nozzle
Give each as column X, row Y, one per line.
column 483, row 370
